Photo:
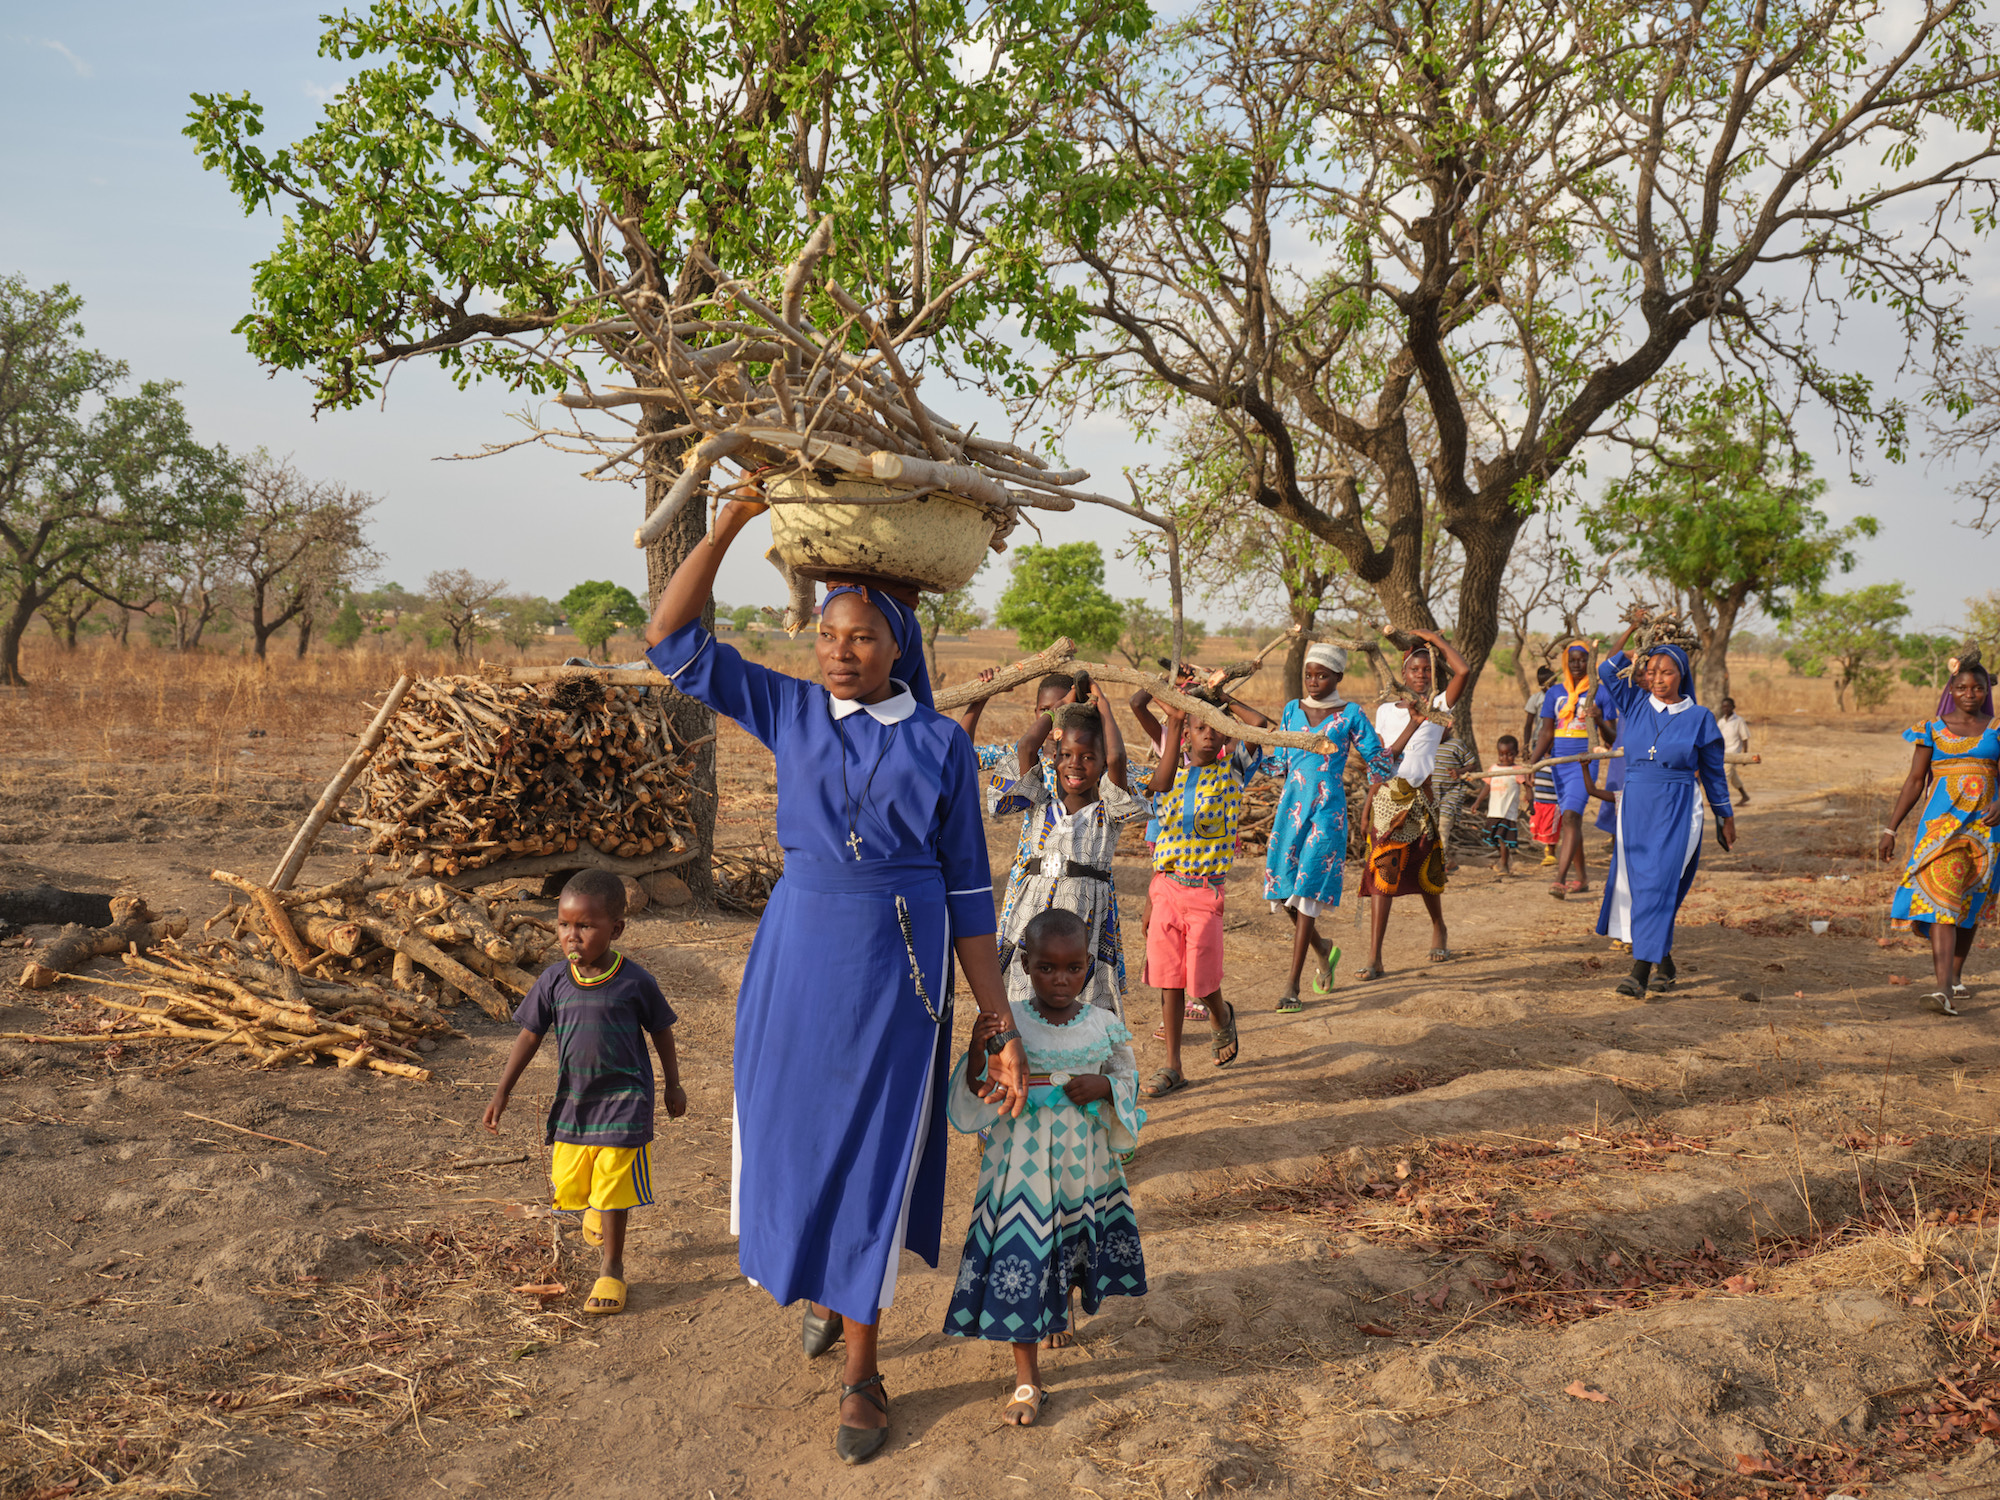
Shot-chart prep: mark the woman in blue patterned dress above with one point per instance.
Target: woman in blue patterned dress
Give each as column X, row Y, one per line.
column 1307, row 858
column 1950, row 870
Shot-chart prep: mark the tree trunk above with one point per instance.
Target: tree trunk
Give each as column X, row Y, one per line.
column 10, row 641
column 1714, row 623
column 1487, row 546
column 124, row 630
column 1303, row 616
column 305, row 632
column 689, row 720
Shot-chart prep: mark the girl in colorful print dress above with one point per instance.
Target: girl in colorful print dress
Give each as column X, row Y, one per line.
column 1052, row 1215
column 1950, row 869
column 1306, row 862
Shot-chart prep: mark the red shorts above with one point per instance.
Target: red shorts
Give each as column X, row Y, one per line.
column 1545, row 823
column 1184, row 938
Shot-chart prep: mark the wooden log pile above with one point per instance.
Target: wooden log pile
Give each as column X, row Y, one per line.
column 361, row 971
column 473, row 772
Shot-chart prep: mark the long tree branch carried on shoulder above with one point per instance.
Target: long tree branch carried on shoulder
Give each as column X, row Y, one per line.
column 1731, row 758
column 1051, row 658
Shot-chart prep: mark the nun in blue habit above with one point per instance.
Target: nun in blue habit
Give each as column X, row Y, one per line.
column 843, row 1020
column 1672, row 748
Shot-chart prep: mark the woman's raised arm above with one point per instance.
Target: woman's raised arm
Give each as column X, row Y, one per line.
column 682, row 600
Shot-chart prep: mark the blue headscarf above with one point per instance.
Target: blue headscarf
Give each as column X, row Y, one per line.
column 903, row 630
column 1679, row 659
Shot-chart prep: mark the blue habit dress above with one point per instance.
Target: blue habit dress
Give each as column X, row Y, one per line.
column 1668, row 755
column 839, row 1158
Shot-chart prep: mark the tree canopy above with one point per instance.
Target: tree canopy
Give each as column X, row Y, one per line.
column 1728, row 516
column 87, row 476
column 1335, row 223
column 1058, row 591
column 1853, row 635
column 598, row 610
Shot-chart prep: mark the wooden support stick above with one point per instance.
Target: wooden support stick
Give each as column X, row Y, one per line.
column 1029, row 669
column 583, row 857
column 364, row 751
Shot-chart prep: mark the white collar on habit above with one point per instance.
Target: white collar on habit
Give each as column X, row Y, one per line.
column 1680, row 705
column 891, row 710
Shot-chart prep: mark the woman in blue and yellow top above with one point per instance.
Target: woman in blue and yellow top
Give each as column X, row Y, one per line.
column 1567, row 713
column 1950, row 868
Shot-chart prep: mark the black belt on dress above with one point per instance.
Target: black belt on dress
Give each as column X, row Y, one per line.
column 1071, row 870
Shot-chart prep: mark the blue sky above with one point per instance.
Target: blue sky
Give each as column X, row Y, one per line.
column 104, row 193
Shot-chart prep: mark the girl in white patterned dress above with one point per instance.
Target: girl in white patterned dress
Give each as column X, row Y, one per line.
column 1070, row 836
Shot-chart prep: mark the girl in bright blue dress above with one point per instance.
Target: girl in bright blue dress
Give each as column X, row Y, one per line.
column 1673, row 753
column 1307, row 858
column 843, row 1019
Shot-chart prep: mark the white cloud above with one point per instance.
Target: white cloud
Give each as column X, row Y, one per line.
column 83, row 69
column 320, row 93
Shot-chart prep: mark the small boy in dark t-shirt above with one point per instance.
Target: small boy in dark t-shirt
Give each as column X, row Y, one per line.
column 602, row 1007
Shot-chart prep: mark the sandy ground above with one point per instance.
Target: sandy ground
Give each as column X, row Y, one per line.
column 1482, row 1228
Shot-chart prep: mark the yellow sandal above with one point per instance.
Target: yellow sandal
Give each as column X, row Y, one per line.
column 609, row 1290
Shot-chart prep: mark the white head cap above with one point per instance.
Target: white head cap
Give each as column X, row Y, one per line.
column 1331, row 657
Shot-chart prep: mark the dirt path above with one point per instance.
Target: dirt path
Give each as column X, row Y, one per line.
column 1386, row 1249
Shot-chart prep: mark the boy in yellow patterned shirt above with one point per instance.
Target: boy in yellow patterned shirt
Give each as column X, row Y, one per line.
column 1198, row 807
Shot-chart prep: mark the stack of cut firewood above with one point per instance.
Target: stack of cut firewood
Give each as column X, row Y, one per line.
column 360, row 971
column 473, row 772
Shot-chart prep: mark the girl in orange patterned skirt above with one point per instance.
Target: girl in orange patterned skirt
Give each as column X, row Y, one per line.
column 1950, row 869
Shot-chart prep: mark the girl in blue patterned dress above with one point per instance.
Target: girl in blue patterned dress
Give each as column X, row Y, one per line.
column 1307, row 858
column 1950, row 869
column 1052, row 1215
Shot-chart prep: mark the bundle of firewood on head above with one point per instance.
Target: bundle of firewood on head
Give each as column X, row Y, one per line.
column 472, row 773
column 792, row 382
column 359, row 971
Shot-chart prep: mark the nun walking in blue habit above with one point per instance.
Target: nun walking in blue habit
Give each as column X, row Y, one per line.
column 1673, row 756
column 843, row 1020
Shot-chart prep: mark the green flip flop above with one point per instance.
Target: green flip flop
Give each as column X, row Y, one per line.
column 1329, row 961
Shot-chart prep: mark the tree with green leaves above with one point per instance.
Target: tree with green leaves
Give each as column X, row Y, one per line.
column 491, row 182
column 525, row 620
column 1057, row 591
column 346, row 627
column 1727, row 514
column 951, row 613
column 1853, row 635
column 1532, row 211
column 1982, row 621
column 599, row 610
column 1149, row 635
column 88, row 477
column 1926, row 658
column 744, row 616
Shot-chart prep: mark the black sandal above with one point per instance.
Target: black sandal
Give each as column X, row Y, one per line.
column 1631, row 989
column 817, row 1334
column 856, row 1445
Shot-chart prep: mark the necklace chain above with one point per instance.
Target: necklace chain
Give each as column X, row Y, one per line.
column 850, row 807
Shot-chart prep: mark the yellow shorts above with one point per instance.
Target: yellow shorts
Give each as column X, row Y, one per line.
column 601, row 1177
